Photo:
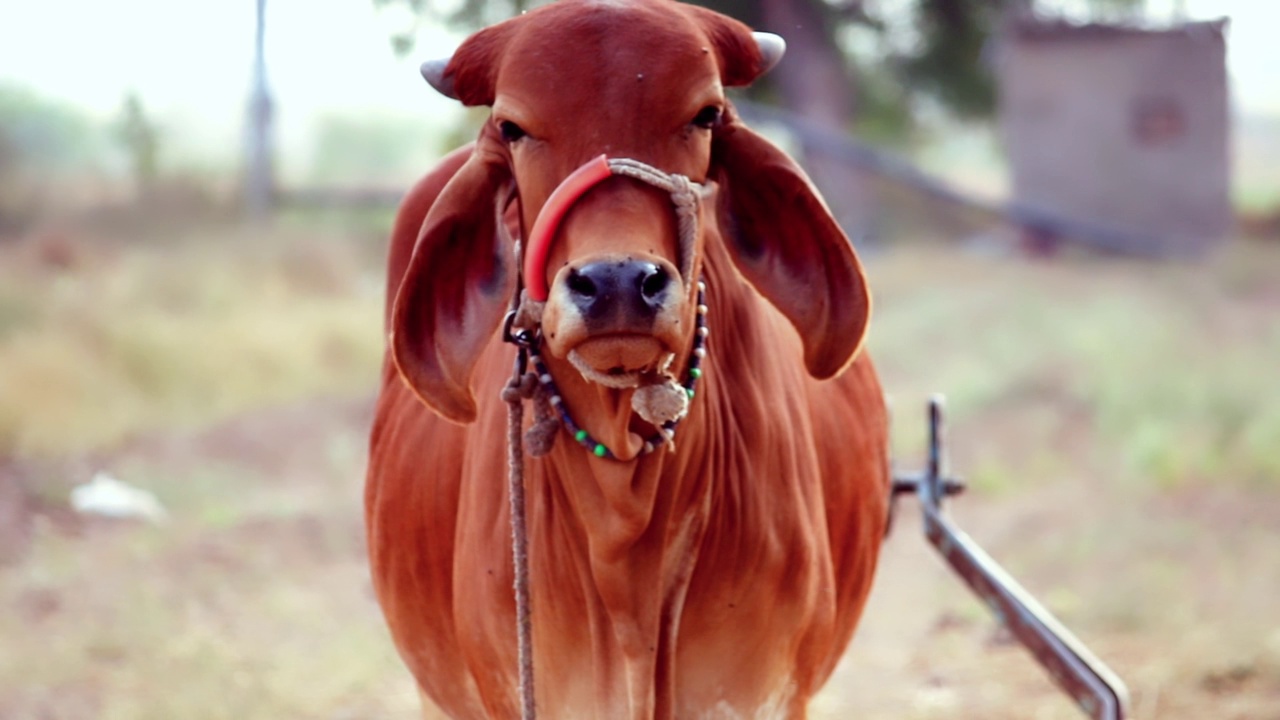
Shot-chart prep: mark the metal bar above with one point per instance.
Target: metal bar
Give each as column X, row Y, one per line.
column 1090, row 683
column 1096, row 690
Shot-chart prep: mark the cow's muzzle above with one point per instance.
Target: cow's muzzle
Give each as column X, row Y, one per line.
column 620, row 311
column 620, row 295
column 616, row 314
column 685, row 197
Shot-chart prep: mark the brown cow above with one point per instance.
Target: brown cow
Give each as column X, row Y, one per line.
column 716, row 574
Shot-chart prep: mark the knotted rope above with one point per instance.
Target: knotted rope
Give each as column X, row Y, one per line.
column 685, row 196
column 520, row 387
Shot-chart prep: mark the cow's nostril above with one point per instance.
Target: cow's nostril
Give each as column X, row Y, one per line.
column 618, row 292
column 654, row 282
column 581, row 285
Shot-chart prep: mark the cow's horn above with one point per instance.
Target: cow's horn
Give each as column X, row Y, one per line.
column 772, row 48
column 433, row 71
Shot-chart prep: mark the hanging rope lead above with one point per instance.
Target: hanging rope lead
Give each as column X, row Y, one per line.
column 520, row 387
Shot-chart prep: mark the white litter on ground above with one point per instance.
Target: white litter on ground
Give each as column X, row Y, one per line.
column 106, row 496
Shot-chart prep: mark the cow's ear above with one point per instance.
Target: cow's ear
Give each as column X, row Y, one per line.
column 470, row 75
column 784, row 240
column 741, row 54
column 456, row 286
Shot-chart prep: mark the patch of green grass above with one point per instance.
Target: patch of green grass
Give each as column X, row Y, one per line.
column 16, row 311
column 1160, row 373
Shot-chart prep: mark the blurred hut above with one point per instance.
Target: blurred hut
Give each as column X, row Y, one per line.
column 1120, row 126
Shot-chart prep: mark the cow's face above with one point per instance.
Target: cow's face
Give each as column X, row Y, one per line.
column 638, row 79
column 618, row 300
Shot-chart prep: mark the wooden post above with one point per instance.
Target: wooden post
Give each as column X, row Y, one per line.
column 259, row 184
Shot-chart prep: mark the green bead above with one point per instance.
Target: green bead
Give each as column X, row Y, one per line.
column 695, row 372
column 580, row 436
column 690, row 391
column 600, row 450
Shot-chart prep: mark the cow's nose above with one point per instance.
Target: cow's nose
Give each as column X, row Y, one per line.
column 623, row 289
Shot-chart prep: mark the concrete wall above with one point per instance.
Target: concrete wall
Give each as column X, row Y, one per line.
column 1121, row 127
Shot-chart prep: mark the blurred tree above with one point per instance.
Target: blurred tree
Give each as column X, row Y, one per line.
column 370, row 149
column 140, row 139
column 39, row 133
column 863, row 60
column 259, row 181
column 852, row 65
column 40, row 140
column 260, row 151
column 947, row 62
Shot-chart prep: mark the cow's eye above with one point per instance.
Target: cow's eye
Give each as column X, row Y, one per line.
column 510, row 131
column 708, row 117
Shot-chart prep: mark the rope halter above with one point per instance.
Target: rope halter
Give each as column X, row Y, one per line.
column 685, row 196
column 658, row 398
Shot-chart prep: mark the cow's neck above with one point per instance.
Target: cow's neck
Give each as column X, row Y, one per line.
column 643, row 521
column 605, row 413
column 641, row 524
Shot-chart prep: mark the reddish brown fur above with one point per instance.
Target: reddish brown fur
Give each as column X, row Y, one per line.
column 723, row 579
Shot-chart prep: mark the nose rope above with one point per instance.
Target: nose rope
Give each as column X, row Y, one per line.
column 658, row 399
column 685, row 197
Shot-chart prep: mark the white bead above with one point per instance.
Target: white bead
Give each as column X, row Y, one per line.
column 702, row 309
column 555, row 400
column 545, row 377
column 700, row 352
column 704, row 331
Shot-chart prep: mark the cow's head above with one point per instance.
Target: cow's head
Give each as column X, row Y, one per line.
column 639, row 79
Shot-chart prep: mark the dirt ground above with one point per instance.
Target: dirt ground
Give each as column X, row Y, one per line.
column 1118, row 424
column 1177, row 593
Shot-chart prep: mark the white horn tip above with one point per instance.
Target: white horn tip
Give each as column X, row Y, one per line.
column 772, row 48
column 433, row 72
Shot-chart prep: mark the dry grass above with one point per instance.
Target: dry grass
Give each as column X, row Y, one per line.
column 129, row 339
column 1151, row 374
column 253, row 602
column 1119, row 422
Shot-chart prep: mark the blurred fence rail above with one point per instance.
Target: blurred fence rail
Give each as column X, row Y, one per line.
column 816, row 139
column 849, row 151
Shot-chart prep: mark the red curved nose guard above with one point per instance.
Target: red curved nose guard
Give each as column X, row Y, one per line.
column 544, row 228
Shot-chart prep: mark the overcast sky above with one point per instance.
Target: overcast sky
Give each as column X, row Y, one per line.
column 190, row 59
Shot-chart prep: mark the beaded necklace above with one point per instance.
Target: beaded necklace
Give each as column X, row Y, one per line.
column 686, row 199
column 666, row 432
